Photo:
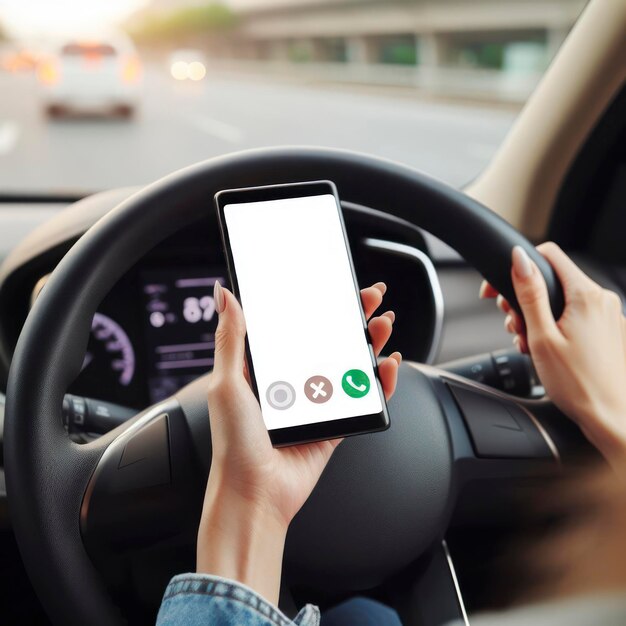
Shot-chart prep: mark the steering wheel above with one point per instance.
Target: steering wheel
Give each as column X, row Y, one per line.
column 384, row 499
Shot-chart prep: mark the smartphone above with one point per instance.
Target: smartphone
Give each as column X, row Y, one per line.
column 309, row 355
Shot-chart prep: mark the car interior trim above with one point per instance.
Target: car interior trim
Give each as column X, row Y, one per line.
column 403, row 250
column 39, row 285
column 544, row 434
column 524, row 178
column 455, row 580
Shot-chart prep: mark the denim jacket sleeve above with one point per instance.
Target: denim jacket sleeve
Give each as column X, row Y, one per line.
column 203, row 600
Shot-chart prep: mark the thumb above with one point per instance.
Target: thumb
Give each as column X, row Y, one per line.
column 532, row 294
column 230, row 334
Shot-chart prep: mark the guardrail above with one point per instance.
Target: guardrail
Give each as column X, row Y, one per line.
column 501, row 86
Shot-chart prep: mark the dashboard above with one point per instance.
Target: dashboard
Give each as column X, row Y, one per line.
column 155, row 330
column 152, row 335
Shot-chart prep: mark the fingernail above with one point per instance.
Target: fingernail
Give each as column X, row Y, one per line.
column 483, row 288
column 391, row 315
column 397, row 356
column 522, row 265
column 516, row 343
column 218, row 297
column 381, row 287
column 507, row 323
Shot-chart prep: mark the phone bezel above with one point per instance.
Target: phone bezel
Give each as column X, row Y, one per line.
column 317, row 431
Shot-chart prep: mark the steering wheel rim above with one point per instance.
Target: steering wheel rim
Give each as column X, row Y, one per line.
column 47, row 475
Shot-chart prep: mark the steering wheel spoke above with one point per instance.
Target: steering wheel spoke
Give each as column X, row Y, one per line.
column 145, row 486
column 492, row 433
column 502, row 427
column 502, row 448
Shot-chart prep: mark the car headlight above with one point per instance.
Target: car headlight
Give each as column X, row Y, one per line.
column 179, row 70
column 196, row 70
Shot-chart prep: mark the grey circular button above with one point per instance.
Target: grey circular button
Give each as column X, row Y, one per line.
column 280, row 395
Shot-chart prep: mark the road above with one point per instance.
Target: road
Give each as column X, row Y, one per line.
column 181, row 123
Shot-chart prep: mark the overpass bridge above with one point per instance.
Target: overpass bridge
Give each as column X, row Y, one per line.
column 496, row 49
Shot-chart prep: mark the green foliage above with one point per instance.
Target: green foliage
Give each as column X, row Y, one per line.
column 491, row 55
column 487, row 55
column 186, row 22
column 398, row 51
column 299, row 53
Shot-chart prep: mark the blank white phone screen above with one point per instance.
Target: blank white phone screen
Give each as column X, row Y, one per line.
column 310, row 355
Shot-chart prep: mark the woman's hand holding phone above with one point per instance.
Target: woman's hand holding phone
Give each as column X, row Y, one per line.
column 255, row 490
column 581, row 358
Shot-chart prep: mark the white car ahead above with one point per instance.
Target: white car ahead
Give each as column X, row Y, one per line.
column 95, row 77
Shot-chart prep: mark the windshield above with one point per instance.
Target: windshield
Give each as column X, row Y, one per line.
column 107, row 93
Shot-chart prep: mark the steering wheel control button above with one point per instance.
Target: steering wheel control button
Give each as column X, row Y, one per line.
column 318, row 389
column 280, row 395
column 499, row 428
column 80, row 410
column 93, row 416
column 356, row 383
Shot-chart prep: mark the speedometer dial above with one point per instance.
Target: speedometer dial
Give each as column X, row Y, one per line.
column 109, row 344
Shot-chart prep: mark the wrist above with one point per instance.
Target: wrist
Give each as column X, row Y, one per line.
column 608, row 435
column 240, row 539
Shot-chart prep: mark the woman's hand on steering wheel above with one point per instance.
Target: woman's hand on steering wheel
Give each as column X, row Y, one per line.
column 581, row 358
column 254, row 490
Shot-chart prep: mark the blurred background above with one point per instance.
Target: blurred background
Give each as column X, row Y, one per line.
column 108, row 93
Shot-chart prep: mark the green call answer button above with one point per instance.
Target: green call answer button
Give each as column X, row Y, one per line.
column 355, row 383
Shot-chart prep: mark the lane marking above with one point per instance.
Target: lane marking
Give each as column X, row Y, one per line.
column 9, row 134
column 220, row 130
